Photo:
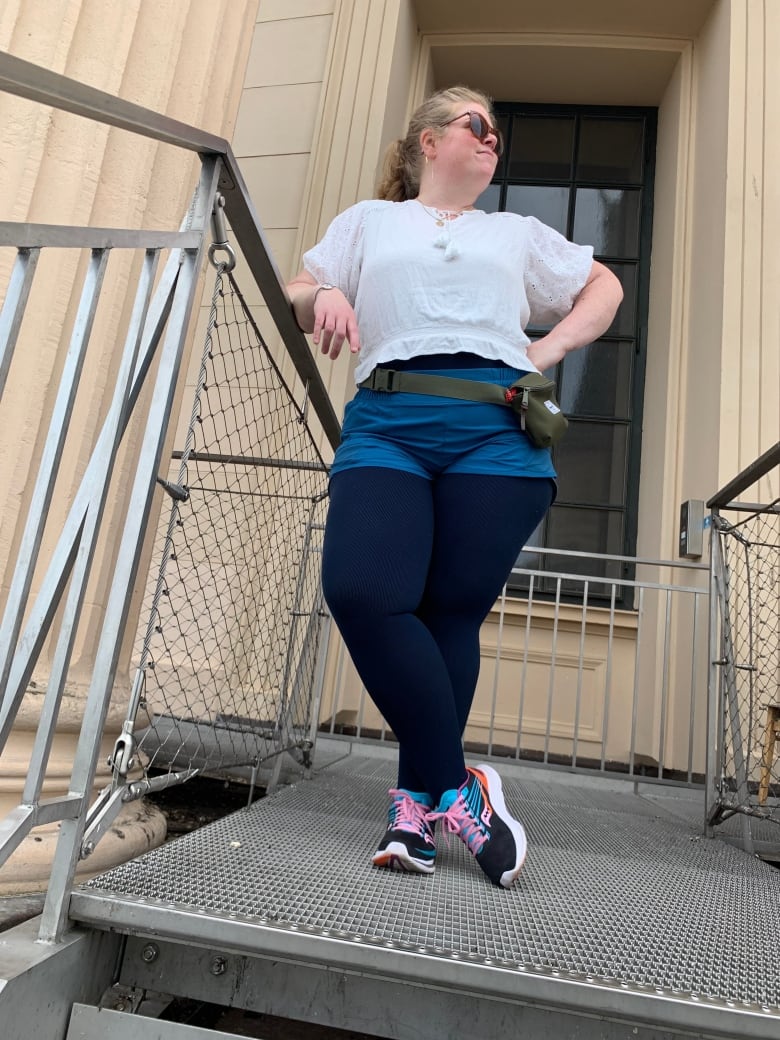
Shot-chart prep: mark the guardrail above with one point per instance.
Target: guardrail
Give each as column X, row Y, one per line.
column 743, row 775
column 571, row 681
column 155, row 332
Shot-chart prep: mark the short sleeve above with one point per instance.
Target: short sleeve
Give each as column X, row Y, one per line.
column 337, row 257
column 555, row 274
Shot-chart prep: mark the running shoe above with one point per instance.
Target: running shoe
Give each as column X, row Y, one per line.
column 480, row 819
column 408, row 841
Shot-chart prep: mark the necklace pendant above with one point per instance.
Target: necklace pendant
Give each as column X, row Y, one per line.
column 440, row 223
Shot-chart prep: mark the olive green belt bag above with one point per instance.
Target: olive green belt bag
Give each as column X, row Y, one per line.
column 532, row 398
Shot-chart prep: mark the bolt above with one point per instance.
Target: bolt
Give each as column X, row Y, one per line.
column 149, row 953
column 218, row 966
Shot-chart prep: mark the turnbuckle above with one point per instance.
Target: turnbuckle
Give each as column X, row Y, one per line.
column 219, row 230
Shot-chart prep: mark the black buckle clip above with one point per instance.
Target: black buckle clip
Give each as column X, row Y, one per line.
column 382, row 379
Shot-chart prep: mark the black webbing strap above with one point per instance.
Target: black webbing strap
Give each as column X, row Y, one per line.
column 389, row 381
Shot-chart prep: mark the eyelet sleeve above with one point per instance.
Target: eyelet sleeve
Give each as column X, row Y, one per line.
column 555, row 273
column 338, row 256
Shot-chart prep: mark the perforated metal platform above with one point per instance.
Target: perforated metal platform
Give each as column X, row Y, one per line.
column 623, row 909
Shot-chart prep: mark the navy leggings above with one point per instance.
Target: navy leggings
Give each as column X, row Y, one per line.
column 411, row 568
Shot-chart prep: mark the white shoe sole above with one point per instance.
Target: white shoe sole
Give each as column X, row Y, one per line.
column 496, row 792
column 396, row 857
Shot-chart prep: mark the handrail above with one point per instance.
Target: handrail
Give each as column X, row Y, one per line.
column 749, row 475
column 35, row 83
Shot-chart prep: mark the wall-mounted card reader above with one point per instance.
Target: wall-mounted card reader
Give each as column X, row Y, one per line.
column 692, row 528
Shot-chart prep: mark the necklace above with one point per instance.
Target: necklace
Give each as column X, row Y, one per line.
column 444, row 218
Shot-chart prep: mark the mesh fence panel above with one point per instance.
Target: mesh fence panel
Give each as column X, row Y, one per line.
column 227, row 659
column 749, row 551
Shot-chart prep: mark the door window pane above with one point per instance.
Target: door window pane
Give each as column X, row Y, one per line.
column 587, row 172
column 591, row 462
column 489, row 199
column 579, row 531
column 502, row 122
column 597, row 380
column 611, row 151
column 531, row 560
column 608, row 220
column 625, row 319
column 541, row 149
column 550, row 205
column 585, row 530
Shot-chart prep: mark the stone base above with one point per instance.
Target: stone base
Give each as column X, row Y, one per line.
column 139, row 827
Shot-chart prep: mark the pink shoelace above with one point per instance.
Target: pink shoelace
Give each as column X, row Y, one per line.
column 458, row 820
column 408, row 815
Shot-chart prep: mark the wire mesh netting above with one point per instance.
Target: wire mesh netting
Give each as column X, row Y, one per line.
column 227, row 659
column 748, row 555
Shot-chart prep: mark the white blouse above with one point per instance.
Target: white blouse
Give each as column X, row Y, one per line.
column 472, row 285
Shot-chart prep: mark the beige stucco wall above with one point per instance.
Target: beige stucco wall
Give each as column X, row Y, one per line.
column 749, row 401
column 185, row 59
column 327, row 85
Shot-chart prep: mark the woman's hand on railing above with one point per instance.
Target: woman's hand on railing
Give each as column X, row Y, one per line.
column 324, row 311
column 334, row 322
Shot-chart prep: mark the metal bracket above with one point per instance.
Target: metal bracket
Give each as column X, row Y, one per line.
column 178, row 492
column 101, row 816
column 139, row 788
column 121, row 998
column 220, row 242
column 304, row 416
column 122, row 757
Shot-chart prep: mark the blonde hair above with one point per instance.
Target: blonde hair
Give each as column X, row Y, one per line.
column 400, row 178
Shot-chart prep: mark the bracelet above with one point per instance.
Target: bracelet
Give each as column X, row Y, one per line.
column 325, row 285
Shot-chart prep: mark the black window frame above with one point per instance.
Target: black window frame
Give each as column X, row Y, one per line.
column 505, row 113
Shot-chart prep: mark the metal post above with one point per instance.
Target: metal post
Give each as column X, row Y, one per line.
column 49, row 465
column 608, row 680
column 78, row 583
column 53, row 920
column 581, row 655
column 55, row 579
column 664, row 686
column 635, row 691
column 14, row 306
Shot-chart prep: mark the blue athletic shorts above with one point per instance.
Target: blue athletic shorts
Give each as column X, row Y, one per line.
column 429, row 436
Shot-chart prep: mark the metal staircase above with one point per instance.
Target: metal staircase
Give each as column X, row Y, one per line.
column 625, row 922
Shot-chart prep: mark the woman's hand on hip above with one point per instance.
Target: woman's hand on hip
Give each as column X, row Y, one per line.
column 334, row 322
column 587, row 321
column 544, row 353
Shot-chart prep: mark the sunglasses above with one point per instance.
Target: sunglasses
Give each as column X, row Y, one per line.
column 480, row 128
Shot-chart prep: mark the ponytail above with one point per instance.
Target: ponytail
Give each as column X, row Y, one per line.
column 400, row 178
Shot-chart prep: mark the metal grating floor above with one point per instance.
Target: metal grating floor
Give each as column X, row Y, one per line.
column 618, row 889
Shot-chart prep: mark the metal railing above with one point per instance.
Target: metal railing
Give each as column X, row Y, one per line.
column 233, row 615
column 156, row 332
column 744, row 770
column 570, row 681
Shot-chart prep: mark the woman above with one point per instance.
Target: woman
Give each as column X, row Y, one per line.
column 432, row 498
